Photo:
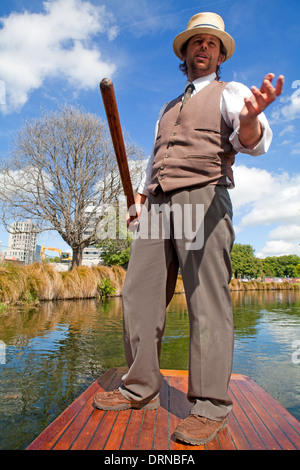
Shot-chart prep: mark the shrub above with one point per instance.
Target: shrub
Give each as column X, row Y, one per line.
column 105, row 288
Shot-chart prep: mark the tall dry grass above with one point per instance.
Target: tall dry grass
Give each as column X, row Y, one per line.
column 41, row 281
column 13, row 282
column 237, row 285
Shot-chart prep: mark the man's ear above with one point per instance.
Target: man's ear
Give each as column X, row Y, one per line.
column 221, row 59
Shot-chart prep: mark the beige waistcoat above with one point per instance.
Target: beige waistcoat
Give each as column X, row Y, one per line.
column 192, row 147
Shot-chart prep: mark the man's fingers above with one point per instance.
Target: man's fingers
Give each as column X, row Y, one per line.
column 279, row 85
column 269, row 77
column 262, row 99
column 265, row 95
column 267, row 85
column 269, row 91
column 250, row 106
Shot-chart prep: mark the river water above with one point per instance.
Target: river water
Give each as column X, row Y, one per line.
column 49, row 354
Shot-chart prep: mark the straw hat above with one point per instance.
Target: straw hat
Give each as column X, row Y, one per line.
column 205, row 23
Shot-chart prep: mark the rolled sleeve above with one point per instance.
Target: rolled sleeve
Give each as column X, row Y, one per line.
column 146, row 179
column 231, row 106
column 261, row 147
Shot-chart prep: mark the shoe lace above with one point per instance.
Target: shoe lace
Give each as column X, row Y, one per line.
column 113, row 392
column 200, row 418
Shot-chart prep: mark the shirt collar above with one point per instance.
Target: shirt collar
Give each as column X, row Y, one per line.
column 201, row 82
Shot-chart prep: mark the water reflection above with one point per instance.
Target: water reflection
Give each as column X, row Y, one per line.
column 55, row 350
column 266, row 326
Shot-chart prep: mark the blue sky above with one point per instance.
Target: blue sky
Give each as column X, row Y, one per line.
column 57, row 51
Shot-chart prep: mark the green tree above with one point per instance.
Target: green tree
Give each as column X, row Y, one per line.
column 281, row 266
column 116, row 251
column 272, row 267
column 244, row 262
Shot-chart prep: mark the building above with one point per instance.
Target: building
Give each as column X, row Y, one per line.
column 91, row 252
column 22, row 245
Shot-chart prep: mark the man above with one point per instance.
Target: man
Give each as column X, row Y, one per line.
column 197, row 137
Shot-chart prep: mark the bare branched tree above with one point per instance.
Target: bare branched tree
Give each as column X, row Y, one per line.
column 60, row 172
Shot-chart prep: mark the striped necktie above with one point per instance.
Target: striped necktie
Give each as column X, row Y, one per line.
column 187, row 94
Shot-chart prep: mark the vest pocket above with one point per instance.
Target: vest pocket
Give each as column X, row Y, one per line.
column 212, row 158
column 213, row 131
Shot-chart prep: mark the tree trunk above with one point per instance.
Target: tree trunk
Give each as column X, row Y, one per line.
column 77, row 257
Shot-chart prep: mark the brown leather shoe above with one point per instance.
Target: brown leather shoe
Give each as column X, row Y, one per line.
column 114, row 401
column 197, row 430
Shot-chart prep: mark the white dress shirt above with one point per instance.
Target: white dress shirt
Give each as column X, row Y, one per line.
column 231, row 104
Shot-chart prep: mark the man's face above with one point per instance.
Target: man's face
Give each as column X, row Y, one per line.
column 202, row 55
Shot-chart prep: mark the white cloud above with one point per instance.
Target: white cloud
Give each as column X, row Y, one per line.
column 296, row 149
column 146, row 17
column 286, row 232
column 278, row 248
column 264, row 199
column 55, row 43
column 288, row 129
column 251, row 184
column 289, row 106
column 283, row 240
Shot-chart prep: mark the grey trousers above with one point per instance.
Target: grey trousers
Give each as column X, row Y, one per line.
column 206, row 272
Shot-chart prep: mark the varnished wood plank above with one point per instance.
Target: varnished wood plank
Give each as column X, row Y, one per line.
column 147, row 431
column 70, row 434
column 115, row 439
column 273, row 435
column 132, row 433
column 52, row 433
column 179, row 408
column 225, row 440
column 88, row 431
column 162, row 429
column 285, row 421
column 239, row 438
column 102, row 433
column 242, row 417
column 174, row 373
column 256, row 422
column 261, row 429
column 213, row 445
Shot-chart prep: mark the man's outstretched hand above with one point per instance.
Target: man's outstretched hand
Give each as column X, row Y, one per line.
column 250, row 130
column 263, row 97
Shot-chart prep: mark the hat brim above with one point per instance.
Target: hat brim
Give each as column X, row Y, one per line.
column 226, row 39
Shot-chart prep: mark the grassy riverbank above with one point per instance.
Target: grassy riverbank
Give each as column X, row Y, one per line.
column 41, row 281
column 237, row 285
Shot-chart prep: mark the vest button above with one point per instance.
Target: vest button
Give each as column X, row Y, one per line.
column 160, row 178
column 167, row 156
column 173, row 133
column 162, row 167
column 170, row 144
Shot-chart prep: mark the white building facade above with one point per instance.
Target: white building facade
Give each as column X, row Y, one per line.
column 22, row 245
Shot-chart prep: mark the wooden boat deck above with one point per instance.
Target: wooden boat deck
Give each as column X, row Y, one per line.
column 257, row 421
